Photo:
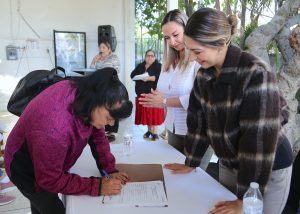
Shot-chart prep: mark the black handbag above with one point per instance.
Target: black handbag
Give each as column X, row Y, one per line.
column 30, row 86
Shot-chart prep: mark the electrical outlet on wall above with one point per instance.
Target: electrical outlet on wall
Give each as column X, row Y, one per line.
column 11, row 52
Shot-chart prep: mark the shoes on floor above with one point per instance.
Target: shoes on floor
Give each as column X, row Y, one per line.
column 6, row 199
column 111, row 136
column 7, row 187
column 154, row 137
column 147, row 134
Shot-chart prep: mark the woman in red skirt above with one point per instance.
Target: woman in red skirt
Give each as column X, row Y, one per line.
column 146, row 75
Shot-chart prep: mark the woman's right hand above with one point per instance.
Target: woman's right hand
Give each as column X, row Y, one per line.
column 98, row 57
column 178, row 168
column 153, row 99
column 110, row 186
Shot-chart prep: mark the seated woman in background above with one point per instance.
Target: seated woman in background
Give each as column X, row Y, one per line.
column 152, row 117
column 104, row 59
column 51, row 134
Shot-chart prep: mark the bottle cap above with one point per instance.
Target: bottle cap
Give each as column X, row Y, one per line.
column 254, row 185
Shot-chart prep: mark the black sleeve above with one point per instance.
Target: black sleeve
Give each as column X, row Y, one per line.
column 196, row 140
column 155, row 70
column 140, row 68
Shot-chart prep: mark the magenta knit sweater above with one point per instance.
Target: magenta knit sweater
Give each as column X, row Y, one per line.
column 55, row 139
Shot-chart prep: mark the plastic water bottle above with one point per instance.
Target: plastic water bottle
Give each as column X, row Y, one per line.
column 127, row 144
column 253, row 201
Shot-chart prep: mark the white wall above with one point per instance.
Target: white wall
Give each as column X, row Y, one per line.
column 66, row 15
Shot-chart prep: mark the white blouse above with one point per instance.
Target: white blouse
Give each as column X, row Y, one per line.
column 178, row 83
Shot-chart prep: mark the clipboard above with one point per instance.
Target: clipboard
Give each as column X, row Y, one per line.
column 143, row 172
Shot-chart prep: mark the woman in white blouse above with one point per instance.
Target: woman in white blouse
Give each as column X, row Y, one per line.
column 176, row 79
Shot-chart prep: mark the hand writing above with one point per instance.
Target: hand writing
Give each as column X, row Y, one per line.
column 110, row 186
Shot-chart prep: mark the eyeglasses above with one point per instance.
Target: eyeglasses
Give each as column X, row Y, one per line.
column 150, row 55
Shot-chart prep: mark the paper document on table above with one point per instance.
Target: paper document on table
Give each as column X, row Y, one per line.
column 139, row 194
column 141, row 76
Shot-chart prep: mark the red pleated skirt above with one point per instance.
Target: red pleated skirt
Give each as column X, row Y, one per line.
column 148, row 116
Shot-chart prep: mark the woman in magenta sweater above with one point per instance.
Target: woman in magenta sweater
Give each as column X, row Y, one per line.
column 52, row 133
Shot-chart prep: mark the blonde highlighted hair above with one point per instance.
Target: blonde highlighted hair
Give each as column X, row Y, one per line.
column 171, row 57
column 211, row 27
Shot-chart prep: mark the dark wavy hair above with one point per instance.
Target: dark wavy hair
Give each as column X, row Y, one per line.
column 101, row 88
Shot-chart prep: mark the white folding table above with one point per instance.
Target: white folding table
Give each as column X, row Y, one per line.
column 192, row 193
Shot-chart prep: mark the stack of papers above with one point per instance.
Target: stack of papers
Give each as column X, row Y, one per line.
column 139, row 194
column 141, row 76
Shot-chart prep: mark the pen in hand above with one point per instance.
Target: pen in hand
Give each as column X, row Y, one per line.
column 109, row 186
column 123, row 177
column 105, row 174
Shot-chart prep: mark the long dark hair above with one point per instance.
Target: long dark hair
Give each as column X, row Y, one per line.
column 101, row 88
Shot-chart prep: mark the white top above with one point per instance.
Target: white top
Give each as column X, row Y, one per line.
column 178, row 83
column 191, row 193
